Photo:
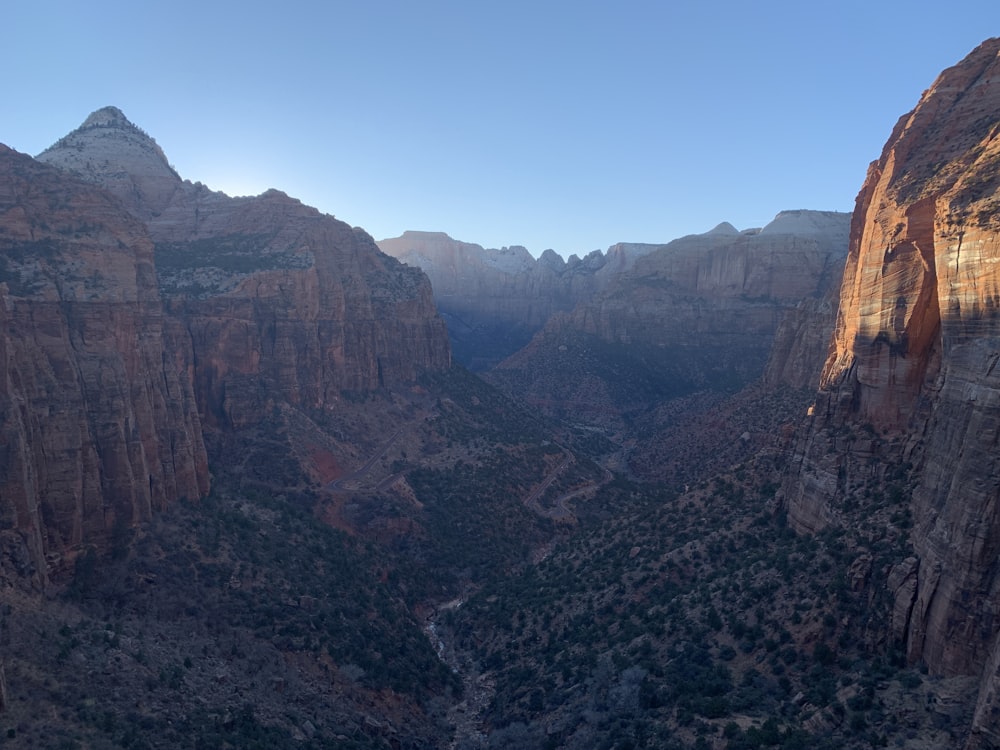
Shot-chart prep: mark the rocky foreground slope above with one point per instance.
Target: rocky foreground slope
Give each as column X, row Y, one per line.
column 911, row 383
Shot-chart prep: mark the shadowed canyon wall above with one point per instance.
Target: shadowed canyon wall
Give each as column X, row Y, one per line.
column 98, row 425
column 495, row 300
column 698, row 315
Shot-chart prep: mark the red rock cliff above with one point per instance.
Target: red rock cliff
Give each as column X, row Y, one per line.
column 282, row 303
column 285, row 304
column 914, row 358
column 98, row 425
column 137, row 309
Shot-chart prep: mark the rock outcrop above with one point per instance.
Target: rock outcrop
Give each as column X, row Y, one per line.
column 913, row 362
column 98, row 425
column 495, row 300
column 722, row 283
column 110, row 151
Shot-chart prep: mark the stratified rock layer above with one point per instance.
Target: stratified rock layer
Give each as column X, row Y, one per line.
column 699, row 314
column 914, row 355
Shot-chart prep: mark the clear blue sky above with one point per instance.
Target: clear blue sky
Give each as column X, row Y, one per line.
column 570, row 125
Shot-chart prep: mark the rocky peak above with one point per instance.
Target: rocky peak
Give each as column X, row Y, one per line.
column 109, row 150
column 723, row 228
column 138, row 309
column 107, row 117
column 551, row 259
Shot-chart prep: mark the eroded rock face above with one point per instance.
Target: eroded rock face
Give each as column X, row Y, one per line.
column 98, row 425
column 914, row 358
column 285, row 303
column 723, row 283
column 138, row 310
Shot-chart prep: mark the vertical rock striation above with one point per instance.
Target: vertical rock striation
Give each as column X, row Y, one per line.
column 914, row 358
column 97, row 420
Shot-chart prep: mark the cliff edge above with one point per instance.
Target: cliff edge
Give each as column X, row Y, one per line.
column 912, row 363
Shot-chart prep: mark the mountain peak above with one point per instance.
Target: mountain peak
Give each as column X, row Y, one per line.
column 106, row 116
column 109, row 150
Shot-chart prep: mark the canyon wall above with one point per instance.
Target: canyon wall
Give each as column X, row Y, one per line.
column 283, row 303
column 913, row 362
column 723, row 283
column 698, row 315
column 139, row 310
column 98, row 425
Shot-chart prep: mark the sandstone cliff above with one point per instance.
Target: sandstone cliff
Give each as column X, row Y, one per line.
column 138, row 311
column 913, row 363
column 282, row 303
column 98, row 425
column 495, row 300
column 722, row 283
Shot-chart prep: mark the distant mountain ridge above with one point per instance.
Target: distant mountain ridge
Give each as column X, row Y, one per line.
column 699, row 314
column 494, row 300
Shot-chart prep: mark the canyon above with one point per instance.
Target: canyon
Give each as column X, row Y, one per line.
column 142, row 310
column 495, row 300
column 734, row 490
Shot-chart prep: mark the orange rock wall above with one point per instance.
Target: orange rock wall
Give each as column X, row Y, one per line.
column 914, row 357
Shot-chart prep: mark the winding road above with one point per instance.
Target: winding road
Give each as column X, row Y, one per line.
column 338, row 485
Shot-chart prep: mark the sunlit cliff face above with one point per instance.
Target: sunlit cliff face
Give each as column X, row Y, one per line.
column 922, row 272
